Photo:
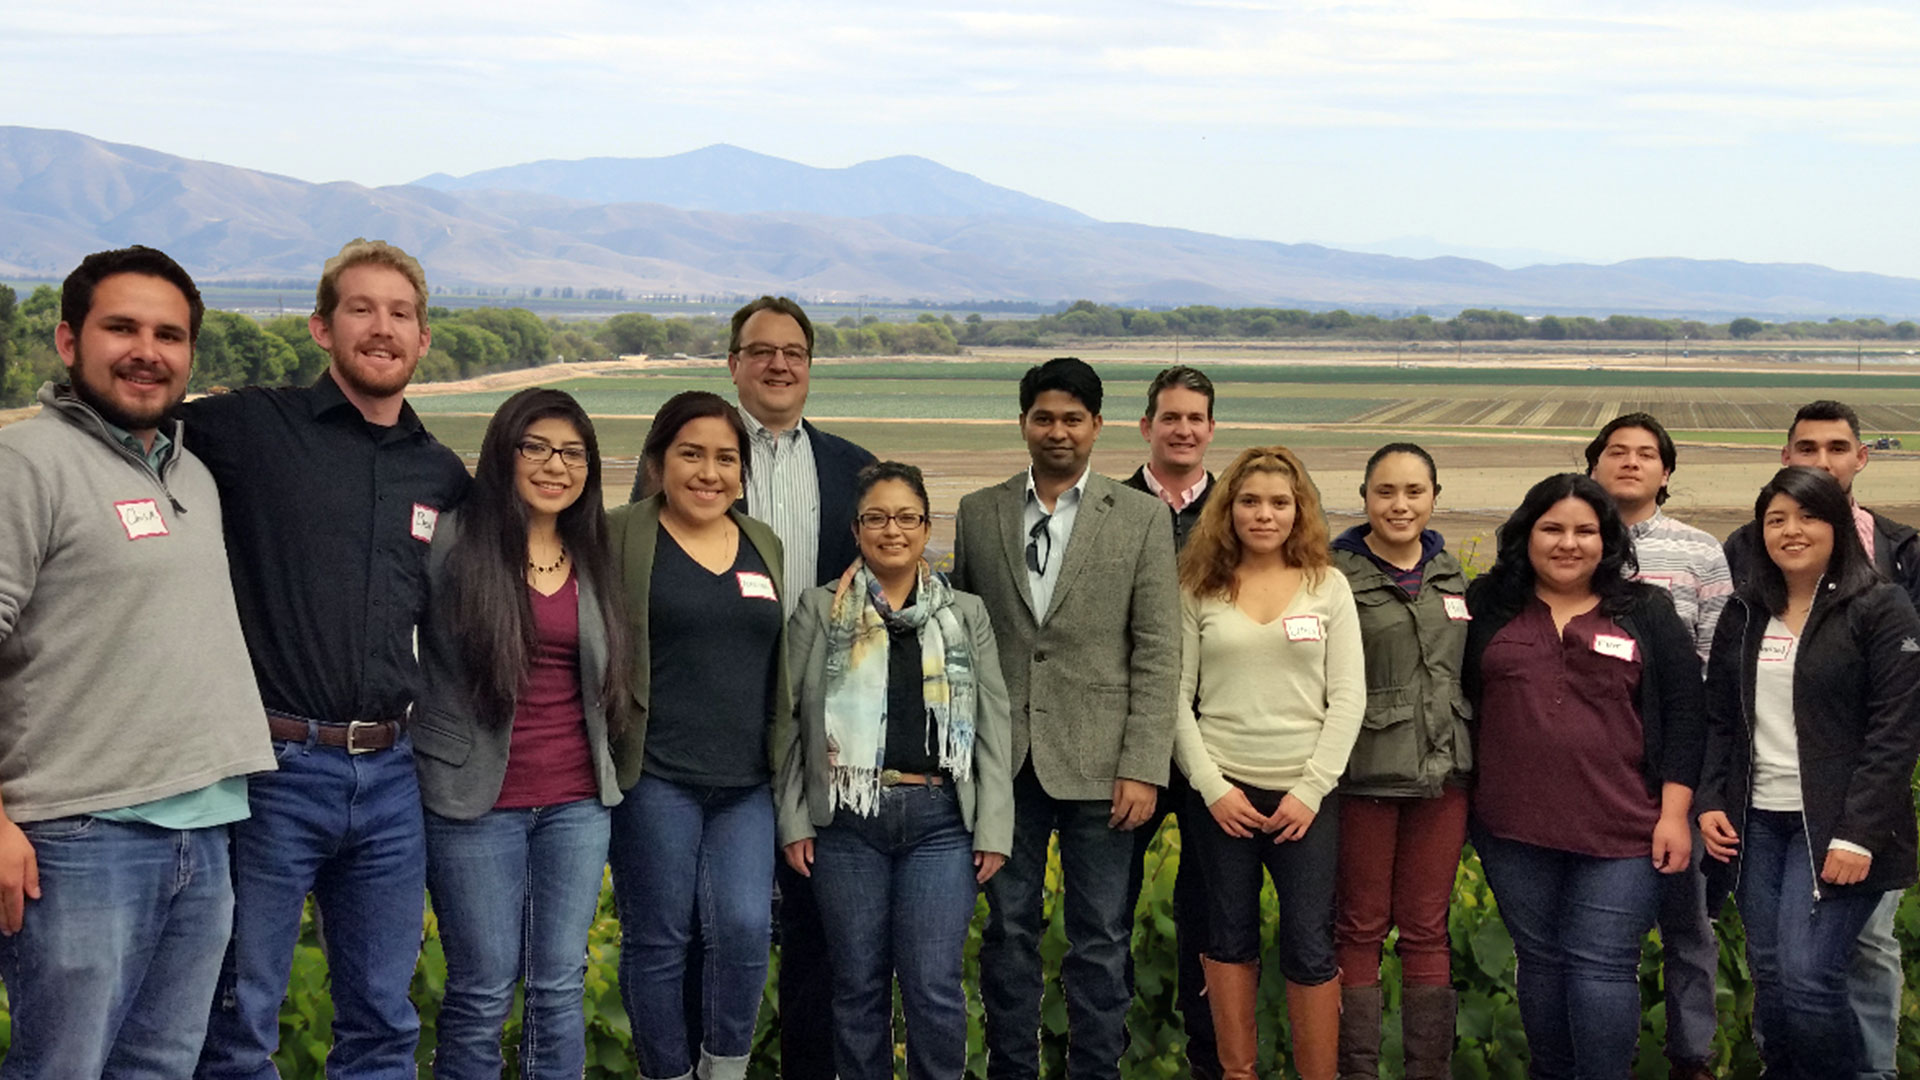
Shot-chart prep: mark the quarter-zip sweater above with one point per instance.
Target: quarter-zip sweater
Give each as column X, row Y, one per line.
column 123, row 673
column 1856, row 710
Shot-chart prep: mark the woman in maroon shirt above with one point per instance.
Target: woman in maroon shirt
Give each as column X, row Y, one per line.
column 1588, row 742
column 511, row 742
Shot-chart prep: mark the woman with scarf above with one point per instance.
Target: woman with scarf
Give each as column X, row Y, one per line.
column 896, row 796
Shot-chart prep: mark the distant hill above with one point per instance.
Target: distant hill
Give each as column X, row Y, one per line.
column 63, row 195
column 730, row 180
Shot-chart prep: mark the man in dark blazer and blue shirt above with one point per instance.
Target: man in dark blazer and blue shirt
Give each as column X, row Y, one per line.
column 801, row 484
column 1077, row 574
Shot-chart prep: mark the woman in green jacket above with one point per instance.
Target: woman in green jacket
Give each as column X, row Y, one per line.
column 1403, row 811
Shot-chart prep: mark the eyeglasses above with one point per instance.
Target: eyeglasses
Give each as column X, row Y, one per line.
column 539, row 453
column 764, row 354
column 1039, row 545
column 875, row 520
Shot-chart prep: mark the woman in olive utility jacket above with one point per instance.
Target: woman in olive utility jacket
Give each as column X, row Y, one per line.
column 1403, row 814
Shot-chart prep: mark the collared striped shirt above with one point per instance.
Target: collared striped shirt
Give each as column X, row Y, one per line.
column 1690, row 565
column 783, row 490
column 1059, row 532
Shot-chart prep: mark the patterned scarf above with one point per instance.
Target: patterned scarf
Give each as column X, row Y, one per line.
column 856, row 692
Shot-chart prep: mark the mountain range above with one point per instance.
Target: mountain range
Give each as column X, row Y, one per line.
column 728, row 221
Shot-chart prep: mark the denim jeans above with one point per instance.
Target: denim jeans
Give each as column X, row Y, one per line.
column 1398, row 860
column 1189, row 920
column 347, row 828
column 805, row 992
column 515, row 892
column 1093, row 868
column 683, row 853
column 1799, row 950
column 1874, row 984
column 1689, row 961
column 896, row 892
column 1576, row 922
column 114, row 965
column 1302, row 872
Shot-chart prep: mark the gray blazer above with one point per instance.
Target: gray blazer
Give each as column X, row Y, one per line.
column 801, row 790
column 460, row 755
column 1093, row 684
column 634, row 532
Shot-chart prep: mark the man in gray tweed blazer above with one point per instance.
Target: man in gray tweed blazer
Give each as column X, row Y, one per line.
column 1077, row 574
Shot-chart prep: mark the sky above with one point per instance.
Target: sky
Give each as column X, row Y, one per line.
column 1761, row 130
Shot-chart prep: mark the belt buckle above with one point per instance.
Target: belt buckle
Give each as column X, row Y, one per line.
column 355, row 725
column 889, row 777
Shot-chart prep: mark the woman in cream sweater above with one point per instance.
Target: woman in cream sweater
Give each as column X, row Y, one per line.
column 1271, row 653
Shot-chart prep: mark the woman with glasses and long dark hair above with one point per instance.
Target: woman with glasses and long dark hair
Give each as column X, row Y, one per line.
column 694, row 837
column 1586, row 694
column 897, row 793
column 523, row 652
column 1806, row 801
column 1272, row 688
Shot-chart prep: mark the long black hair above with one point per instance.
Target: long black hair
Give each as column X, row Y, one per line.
column 675, row 413
column 1849, row 569
column 1511, row 581
column 492, row 613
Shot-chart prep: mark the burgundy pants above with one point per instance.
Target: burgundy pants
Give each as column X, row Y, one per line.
column 1397, row 863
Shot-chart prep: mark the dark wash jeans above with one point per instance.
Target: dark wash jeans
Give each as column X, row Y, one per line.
column 1799, row 950
column 347, row 828
column 1189, row 919
column 515, row 893
column 1094, row 861
column 683, row 854
column 896, row 893
column 1303, row 879
column 114, row 966
column 1576, row 922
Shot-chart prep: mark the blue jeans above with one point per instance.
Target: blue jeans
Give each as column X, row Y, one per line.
column 896, row 892
column 1874, row 984
column 1689, row 961
column 1799, row 950
column 347, row 829
column 1094, row 864
column 683, row 853
column 1576, row 922
column 114, row 965
column 515, row 892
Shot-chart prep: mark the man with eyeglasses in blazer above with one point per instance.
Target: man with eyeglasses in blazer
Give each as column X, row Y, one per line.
column 1077, row 573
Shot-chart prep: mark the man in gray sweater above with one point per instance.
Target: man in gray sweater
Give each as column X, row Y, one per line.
column 128, row 713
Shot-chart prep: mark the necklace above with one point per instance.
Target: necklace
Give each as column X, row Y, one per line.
column 557, row 564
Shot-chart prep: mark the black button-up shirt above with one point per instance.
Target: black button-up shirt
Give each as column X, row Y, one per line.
column 328, row 519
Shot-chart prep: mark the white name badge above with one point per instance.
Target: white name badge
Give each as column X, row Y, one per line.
column 1665, row 581
column 1456, row 608
column 141, row 518
column 1774, row 649
column 1301, row 627
column 755, row 586
column 424, row 519
column 1614, row 645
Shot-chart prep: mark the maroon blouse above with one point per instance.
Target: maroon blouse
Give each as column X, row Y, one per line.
column 548, row 760
column 1561, row 744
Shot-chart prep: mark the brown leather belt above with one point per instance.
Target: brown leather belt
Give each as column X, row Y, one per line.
column 358, row 737
column 896, row 778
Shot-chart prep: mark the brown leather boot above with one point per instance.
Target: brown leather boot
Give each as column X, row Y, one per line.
column 1231, row 992
column 1360, row 1032
column 1426, row 1029
column 1313, row 1016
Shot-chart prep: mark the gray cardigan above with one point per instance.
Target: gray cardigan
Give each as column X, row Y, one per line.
column 460, row 755
column 801, row 787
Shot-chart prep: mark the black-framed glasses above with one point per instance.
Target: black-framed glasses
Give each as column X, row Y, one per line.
column 537, row 452
column 875, row 520
column 1039, row 545
column 764, row 354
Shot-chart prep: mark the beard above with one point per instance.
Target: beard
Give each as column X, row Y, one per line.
column 124, row 417
column 362, row 380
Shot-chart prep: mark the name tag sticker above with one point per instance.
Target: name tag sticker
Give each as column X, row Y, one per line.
column 1301, row 627
column 1774, row 649
column 1665, row 581
column 424, row 519
column 756, row 586
column 141, row 518
column 1615, row 645
column 1456, row 608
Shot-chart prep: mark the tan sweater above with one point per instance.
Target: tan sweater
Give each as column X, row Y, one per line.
column 1280, row 703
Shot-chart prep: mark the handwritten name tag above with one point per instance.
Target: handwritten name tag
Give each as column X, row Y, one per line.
column 755, row 586
column 1774, row 649
column 141, row 518
column 1615, row 645
column 424, row 519
column 1301, row 627
column 1665, row 581
column 1456, row 608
